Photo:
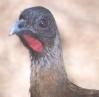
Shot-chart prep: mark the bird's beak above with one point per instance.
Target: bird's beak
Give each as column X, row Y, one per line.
column 16, row 27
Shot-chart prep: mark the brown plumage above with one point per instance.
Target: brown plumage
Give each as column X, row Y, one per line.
column 37, row 30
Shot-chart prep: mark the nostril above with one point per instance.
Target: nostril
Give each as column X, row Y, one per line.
column 20, row 25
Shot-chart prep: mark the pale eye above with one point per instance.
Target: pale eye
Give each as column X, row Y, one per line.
column 43, row 22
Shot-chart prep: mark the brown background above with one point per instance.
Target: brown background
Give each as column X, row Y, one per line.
column 78, row 22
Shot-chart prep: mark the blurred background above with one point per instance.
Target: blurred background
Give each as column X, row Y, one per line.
column 78, row 23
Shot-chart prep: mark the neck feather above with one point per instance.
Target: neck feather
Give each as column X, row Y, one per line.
column 52, row 56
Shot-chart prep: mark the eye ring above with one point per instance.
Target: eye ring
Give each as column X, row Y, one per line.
column 43, row 22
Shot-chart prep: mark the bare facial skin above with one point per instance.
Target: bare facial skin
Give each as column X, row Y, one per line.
column 78, row 22
column 41, row 37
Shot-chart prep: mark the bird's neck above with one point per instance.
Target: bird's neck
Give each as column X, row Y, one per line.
column 51, row 58
column 48, row 71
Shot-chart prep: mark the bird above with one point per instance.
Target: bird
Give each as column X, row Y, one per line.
column 38, row 31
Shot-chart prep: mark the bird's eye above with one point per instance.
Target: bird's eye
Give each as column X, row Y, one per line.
column 43, row 22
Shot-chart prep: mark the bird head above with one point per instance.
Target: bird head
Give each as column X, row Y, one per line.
column 36, row 28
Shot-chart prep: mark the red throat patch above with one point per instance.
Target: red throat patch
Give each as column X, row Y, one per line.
column 33, row 43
